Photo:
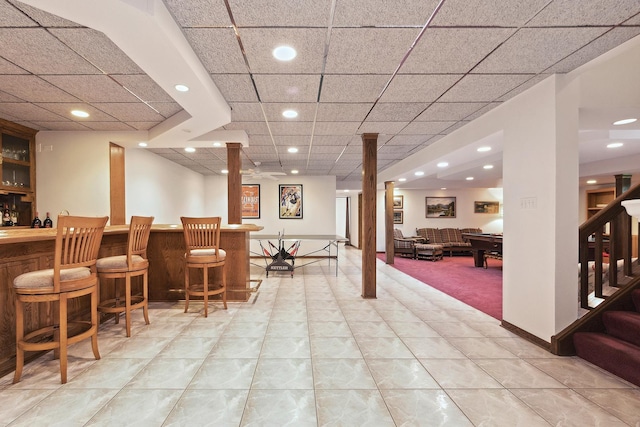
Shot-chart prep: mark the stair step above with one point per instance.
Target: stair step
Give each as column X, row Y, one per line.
column 619, row 357
column 624, row 325
column 635, row 297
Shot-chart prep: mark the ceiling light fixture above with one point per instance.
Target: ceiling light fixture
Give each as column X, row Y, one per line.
column 80, row 113
column 284, row 53
column 294, row 171
column 292, row 150
column 624, row 122
column 224, row 171
column 592, row 181
column 346, row 191
column 443, row 188
column 487, row 167
column 469, row 178
column 217, row 144
column 290, row 114
column 419, row 173
column 483, row 149
column 442, row 164
column 190, row 150
column 615, row 145
column 142, row 144
column 402, row 179
column 182, row 88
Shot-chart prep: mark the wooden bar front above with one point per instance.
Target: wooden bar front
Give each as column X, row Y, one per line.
column 24, row 250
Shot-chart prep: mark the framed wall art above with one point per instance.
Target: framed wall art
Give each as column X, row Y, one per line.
column 250, row 201
column 440, row 207
column 397, row 217
column 290, row 201
column 486, row 207
column 398, row 202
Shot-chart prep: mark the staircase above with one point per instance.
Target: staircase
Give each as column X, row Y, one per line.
column 608, row 335
column 617, row 349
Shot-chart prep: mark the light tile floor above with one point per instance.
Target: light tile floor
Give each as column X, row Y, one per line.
column 309, row 351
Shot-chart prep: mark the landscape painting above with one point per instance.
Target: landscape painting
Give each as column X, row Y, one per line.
column 440, row 207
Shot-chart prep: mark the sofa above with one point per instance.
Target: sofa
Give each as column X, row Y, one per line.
column 405, row 245
column 450, row 238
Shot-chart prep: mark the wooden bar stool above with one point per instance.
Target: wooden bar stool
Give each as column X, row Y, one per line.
column 133, row 264
column 202, row 243
column 73, row 275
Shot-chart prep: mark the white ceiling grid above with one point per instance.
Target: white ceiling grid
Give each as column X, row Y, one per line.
column 356, row 71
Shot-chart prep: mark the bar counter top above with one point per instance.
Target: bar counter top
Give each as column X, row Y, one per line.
column 22, row 234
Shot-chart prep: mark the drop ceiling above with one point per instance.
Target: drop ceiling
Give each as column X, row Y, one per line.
column 412, row 71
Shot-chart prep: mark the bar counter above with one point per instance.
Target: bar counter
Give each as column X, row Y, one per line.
column 25, row 249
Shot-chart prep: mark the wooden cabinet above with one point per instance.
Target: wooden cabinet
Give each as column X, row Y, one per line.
column 598, row 199
column 18, row 171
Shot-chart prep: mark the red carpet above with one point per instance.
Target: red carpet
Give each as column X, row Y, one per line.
column 456, row 276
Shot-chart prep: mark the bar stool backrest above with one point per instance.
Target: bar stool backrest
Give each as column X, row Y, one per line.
column 201, row 233
column 138, row 239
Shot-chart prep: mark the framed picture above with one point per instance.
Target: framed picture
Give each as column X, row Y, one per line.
column 440, row 207
column 486, row 207
column 398, row 202
column 250, row 201
column 397, row 217
column 290, row 201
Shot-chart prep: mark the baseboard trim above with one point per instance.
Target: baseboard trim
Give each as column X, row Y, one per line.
column 527, row 336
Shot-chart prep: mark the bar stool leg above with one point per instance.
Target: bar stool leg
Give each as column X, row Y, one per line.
column 127, row 303
column 62, row 343
column 95, row 296
column 205, row 286
column 19, row 337
column 224, row 283
column 145, row 295
column 186, row 287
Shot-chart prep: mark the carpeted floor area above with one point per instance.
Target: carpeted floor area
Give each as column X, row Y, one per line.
column 458, row 277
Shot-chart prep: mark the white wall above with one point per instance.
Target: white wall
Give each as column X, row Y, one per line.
column 414, row 211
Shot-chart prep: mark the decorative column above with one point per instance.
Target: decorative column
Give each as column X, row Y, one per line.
column 388, row 221
column 234, row 183
column 369, row 182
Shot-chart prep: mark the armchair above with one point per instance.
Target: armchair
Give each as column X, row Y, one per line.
column 405, row 245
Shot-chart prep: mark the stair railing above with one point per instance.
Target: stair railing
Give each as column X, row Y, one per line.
column 592, row 236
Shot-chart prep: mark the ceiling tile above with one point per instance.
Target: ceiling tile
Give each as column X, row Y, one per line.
column 97, row 48
column 453, row 50
column 287, row 88
column 217, row 48
column 166, row 109
column 43, row 18
column 29, row 112
column 408, row 140
column 419, row 87
column 64, row 110
column 336, row 140
column 352, row 88
column 532, row 50
column 246, row 112
column 199, row 13
column 144, row 87
column 260, row 42
column 92, row 88
column 34, row 89
column 125, row 111
column 5, row 97
column 286, row 13
column 396, row 111
column 291, row 141
column 483, row 87
column 326, row 149
column 306, row 111
column 11, row 16
column 235, row 87
column 336, row 128
column 291, row 128
column 108, row 126
column 426, row 128
column 7, row 67
column 142, row 125
column 359, row 50
column 388, row 128
column 585, row 13
column 495, row 13
column 328, row 112
column 259, row 140
column 67, row 125
column 524, row 86
column 488, row 107
column 252, row 128
column 442, row 111
column 47, row 55
column 356, row 13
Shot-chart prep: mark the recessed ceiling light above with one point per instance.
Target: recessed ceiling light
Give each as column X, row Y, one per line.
column 190, row 150
column 592, row 181
column 624, row 122
column 443, row 188
column 284, row 53
column 224, row 171
column 217, row 144
column 469, row 178
column 290, row 114
column 142, row 144
column 292, row 149
column 182, row 88
column 487, row 167
column 294, row 171
column 80, row 113
column 346, row 191
column 402, row 179
column 442, row 164
column 483, row 149
column 419, row 173
column 615, row 145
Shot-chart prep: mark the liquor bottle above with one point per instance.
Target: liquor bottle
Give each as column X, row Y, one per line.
column 6, row 216
column 36, row 222
column 14, row 214
column 47, row 222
